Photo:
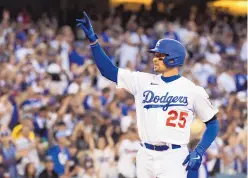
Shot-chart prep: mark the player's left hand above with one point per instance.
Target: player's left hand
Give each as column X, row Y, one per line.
column 194, row 160
column 86, row 26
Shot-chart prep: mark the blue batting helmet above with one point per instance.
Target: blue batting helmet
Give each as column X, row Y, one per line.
column 175, row 52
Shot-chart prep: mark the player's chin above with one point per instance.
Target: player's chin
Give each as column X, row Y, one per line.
column 156, row 69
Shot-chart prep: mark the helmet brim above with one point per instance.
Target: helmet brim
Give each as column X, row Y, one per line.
column 153, row 50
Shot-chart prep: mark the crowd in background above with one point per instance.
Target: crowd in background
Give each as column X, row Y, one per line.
column 60, row 118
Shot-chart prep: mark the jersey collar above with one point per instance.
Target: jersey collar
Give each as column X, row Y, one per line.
column 170, row 79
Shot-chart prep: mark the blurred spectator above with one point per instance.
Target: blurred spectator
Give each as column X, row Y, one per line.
column 5, row 110
column 104, row 155
column 60, row 154
column 76, row 55
column 26, row 121
column 243, row 51
column 26, row 143
column 170, row 33
column 127, row 121
column 48, row 172
column 233, row 156
column 201, row 70
column 90, row 171
column 30, row 171
column 130, row 48
column 8, row 153
column 127, row 149
column 226, row 81
column 214, row 156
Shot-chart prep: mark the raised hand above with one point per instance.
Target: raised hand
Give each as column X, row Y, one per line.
column 86, row 26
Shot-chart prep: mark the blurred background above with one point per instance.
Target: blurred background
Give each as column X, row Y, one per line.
column 60, row 118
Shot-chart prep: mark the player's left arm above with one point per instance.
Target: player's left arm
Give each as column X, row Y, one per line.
column 103, row 62
column 207, row 113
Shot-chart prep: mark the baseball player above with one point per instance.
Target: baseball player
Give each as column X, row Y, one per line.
column 165, row 105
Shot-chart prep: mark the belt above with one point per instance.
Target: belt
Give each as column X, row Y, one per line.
column 159, row 147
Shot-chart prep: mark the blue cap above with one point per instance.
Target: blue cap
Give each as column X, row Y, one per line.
column 60, row 134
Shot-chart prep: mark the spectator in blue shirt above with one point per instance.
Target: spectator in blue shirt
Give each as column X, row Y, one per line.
column 9, row 154
column 241, row 81
column 60, row 153
column 76, row 57
column 105, row 96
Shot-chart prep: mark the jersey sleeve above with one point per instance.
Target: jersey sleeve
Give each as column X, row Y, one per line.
column 202, row 105
column 127, row 80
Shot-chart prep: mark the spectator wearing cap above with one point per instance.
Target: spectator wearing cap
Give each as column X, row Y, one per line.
column 48, row 172
column 60, row 153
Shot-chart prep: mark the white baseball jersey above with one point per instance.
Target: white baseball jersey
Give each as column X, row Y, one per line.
column 127, row 154
column 104, row 160
column 165, row 110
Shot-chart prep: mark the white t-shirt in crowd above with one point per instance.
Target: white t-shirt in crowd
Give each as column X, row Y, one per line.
column 104, row 162
column 226, row 82
column 213, row 58
column 127, row 121
column 243, row 51
column 215, row 150
column 128, row 52
column 24, row 143
column 201, row 72
column 127, row 155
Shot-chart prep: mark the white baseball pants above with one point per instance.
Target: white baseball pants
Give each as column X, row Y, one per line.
column 161, row 164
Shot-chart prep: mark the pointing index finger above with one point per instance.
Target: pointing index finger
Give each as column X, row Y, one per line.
column 86, row 17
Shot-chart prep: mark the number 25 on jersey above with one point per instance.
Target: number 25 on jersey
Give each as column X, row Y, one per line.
column 176, row 119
